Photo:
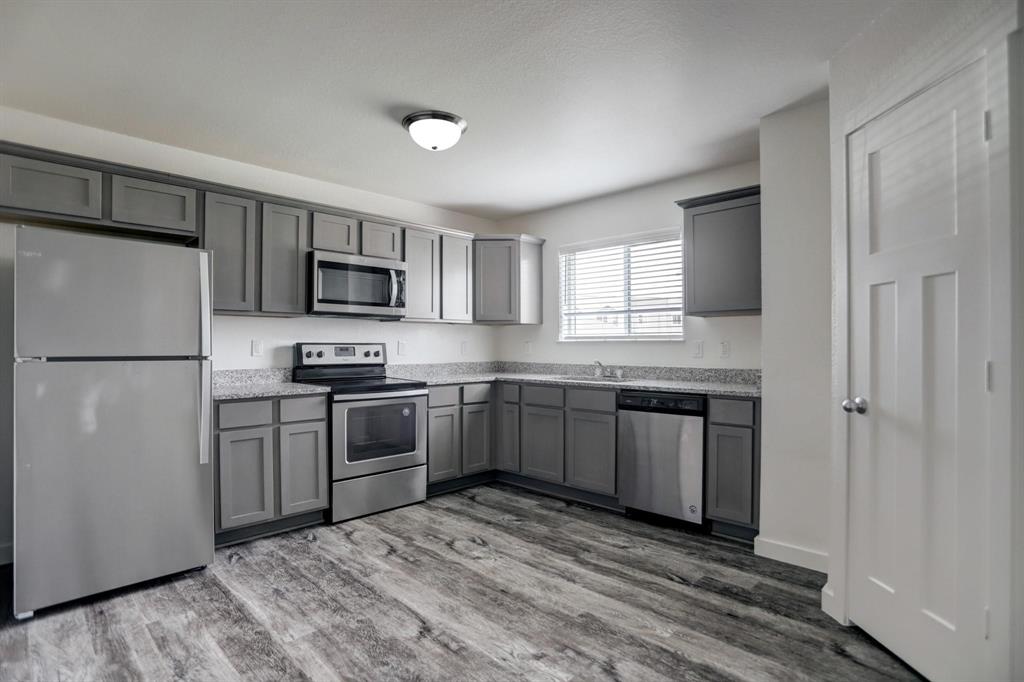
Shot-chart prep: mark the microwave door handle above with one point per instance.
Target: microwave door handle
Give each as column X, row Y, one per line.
column 394, row 288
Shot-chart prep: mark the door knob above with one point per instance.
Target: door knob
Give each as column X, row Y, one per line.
column 858, row 405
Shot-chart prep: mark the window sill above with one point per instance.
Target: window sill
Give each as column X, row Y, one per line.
column 626, row 339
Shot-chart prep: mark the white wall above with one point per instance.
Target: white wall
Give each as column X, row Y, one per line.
column 795, row 343
column 638, row 210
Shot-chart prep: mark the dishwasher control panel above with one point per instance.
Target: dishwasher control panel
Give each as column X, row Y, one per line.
column 668, row 402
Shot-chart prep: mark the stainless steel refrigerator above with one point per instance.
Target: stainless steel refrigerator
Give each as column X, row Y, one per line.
column 109, row 372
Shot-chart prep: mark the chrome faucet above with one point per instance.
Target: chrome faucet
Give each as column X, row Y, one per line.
column 601, row 371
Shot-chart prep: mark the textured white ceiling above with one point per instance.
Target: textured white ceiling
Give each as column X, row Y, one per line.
column 565, row 98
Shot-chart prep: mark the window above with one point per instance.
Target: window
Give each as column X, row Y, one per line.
column 626, row 288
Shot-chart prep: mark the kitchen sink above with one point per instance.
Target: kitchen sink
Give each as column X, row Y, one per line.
column 596, row 380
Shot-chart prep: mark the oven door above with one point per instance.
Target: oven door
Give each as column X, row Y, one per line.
column 356, row 285
column 378, row 432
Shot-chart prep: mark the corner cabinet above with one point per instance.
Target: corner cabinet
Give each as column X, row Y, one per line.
column 507, row 280
column 722, row 248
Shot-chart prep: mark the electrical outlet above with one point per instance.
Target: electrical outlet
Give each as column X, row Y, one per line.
column 463, row 347
column 726, row 349
column 256, row 348
column 698, row 349
column 528, row 347
column 401, row 348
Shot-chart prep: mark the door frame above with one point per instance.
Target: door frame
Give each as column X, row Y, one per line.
column 1003, row 55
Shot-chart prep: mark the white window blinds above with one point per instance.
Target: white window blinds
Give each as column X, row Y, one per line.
column 629, row 288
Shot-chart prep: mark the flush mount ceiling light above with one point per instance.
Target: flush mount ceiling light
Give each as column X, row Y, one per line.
column 434, row 130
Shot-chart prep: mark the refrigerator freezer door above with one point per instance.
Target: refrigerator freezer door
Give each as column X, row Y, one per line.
column 82, row 295
column 109, row 489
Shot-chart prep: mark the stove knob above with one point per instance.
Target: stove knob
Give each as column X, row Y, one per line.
column 376, row 353
column 309, row 353
column 319, row 353
column 366, row 353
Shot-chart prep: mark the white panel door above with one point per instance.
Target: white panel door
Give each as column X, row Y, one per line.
column 918, row 184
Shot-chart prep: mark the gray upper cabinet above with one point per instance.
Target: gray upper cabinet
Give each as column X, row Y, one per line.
column 245, row 470
column 476, row 438
column 730, row 474
column 423, row 277
column 303, row 462
column 456, row 277
column 590, row 441
column 285, row 235
column 722, row 248
column 542, row 450
column 381, row 240
column 230, row 234
column 144, row 202
column 50, row 187
column 507, row 280
column 508, row 434
column 335, row 233
column 444, row 443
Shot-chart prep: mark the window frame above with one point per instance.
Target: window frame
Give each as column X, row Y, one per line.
column 638, row 238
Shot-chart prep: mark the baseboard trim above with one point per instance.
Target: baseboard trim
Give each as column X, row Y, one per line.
column 6, row 553
column 791, row 554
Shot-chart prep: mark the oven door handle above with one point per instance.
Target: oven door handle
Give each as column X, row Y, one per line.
column 348, row 397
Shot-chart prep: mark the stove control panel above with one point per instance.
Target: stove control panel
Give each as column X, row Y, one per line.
column 340, row 354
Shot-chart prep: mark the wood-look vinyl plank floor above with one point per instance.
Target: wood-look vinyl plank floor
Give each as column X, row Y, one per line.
column 484, row 584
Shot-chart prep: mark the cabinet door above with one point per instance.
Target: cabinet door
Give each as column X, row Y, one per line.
column 381, row 241
column 335, row 233
column 144, row 202
column 285, row 243
column 476, row 438
column 508, row 445
column 542, row 443
column 730, row 474
column 230, row 234
column 723, row 257
column 444, row 443
column 456, row 278
column 303, row 458
column 423, row 277
column 496, row 280
column 51, row 187
column 245, row 476
column 590, row 451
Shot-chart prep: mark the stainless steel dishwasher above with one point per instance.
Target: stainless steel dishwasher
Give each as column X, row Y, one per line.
column 661, row 454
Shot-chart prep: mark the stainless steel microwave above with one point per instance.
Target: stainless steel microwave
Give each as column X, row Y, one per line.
column 342, row 284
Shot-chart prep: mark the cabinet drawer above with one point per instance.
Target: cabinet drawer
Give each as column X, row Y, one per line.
column 303, row 409
column 723, row 411
column 543, row 395
column 335, row 233
column 476, row 393
column 589, row 399
column 248, row 413
column 144, row 202
column 510, row 393
column 51, row 187
column 443, row 395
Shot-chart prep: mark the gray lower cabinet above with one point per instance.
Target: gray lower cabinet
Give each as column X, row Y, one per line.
column 145, row 202
column 590, row 441
column 722, row 247
column 381, row 240
column 456, row 278
column 230, row 235
column 50, row 187
column 542, row 452
column 730, row 476
column 508, row 443
column 335, row 233
column 444, row 443
column 245, row 476
column 303, row 459
column 423, row 276
column 285, row 234
column 476, row 438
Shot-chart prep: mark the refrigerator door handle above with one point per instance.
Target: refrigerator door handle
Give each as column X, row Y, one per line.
column 204, row 304
column 204, row 411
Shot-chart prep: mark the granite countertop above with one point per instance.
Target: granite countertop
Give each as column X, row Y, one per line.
column 715, row 388
column 265, row 390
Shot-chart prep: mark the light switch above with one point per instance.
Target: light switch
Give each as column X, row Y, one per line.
column 528, row 347
column 401, row 347
column 257, row 348
column 698, row 349
column 463, row 347
column 726, row 349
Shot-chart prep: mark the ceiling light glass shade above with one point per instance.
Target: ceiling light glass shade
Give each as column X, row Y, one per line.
column 434, row 130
